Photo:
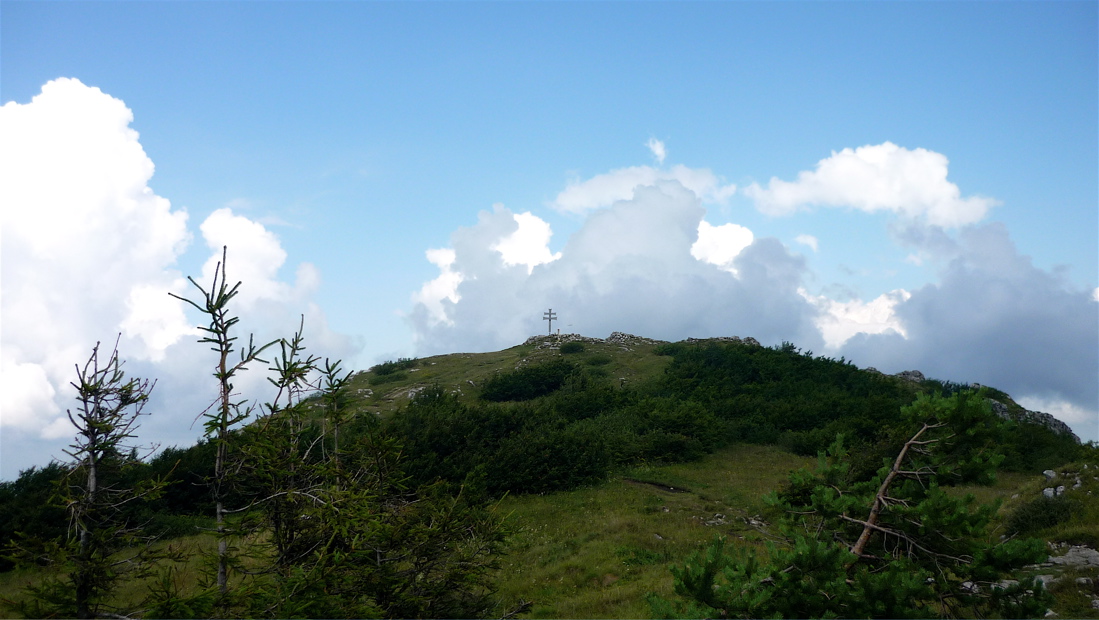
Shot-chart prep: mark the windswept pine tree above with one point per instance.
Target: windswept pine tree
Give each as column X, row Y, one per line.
column 104, row 545
column 897, row 545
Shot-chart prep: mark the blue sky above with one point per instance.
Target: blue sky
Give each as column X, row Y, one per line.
column 354, row 137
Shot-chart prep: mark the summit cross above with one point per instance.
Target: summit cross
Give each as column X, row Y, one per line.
column 549, row 316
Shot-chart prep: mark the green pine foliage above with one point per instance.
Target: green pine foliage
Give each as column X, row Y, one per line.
column 27, row 510
column 896, row 545
column 96, row 494
column 528, row 382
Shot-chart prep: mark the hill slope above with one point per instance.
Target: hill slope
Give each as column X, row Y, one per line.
column 616, row 456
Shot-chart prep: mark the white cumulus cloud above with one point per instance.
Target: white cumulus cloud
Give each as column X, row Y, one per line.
column 839, row 321
column 443, row 287
column 883, row 177
column 604, row 190
column 720, row 245
column 529, row 244
column 256, row 255
column 88, row 248
column 90, row 252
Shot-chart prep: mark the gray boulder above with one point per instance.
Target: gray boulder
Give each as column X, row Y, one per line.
column 914, row 376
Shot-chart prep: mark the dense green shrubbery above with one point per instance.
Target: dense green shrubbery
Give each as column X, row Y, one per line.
column 26, row 507
column 391, row 371
column 528, row 382
column 767, row 394
column 571, row 347
column 599, row 359
column 390, row 367
column 523, row 449
column 570, row 427
column 390, row 377
column 1033, row 448
column 1040, row 513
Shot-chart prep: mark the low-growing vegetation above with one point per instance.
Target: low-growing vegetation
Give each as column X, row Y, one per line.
column 344, row 500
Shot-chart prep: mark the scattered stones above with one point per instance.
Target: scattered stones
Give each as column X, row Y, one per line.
column 718, row 519
column 1049, row 474
column 658, row 537
column 1084, row 582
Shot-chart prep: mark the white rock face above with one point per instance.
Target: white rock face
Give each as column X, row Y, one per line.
column 1078, row 555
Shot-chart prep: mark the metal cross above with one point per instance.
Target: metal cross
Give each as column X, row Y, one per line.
column 549, row 316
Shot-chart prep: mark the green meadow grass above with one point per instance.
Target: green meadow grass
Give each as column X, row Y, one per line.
column 597, row 552
column 465, row 373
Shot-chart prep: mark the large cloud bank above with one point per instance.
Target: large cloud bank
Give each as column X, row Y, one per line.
column 996, row 319
column 87, row 246
column 89, row 253
column 646, row 261
column 633, row 267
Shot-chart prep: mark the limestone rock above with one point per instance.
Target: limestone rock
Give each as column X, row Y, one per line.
column 1034, row 417
column 1079, row 556
column 914, row 376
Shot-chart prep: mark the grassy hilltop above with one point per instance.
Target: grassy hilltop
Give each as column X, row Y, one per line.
column 610, row 459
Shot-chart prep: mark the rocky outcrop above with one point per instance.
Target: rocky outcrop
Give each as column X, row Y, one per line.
column 1033, row 417
column 914, row 376
column 1000, row 409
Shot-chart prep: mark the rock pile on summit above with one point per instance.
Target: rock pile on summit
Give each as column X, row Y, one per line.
column 554, row 341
